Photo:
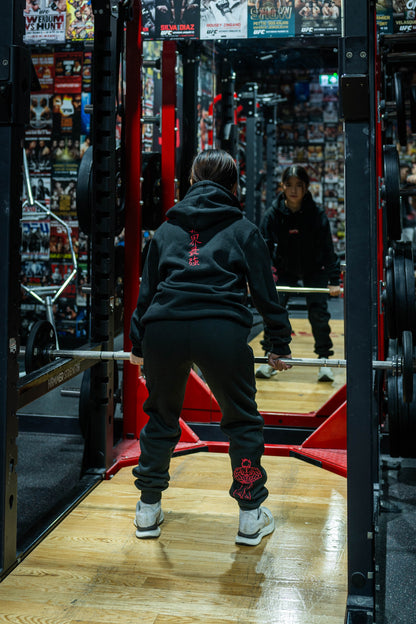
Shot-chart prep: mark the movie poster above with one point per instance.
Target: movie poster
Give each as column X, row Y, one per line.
column 38, row 153
column 318, row 17
column 60, row 248
column 66, row 114
column 35, row 240
column 63, row 199
column 45, row 21
column 44, row 65
column 68, row 72
column 79, row 20
column 223, row 19
column 40, row 121
column 170, row 19
column 384, row 16
column 177, row 19
column 404, row 16
column 271, row 18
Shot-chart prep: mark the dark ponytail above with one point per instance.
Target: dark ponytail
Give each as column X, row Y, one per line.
column 215, row 165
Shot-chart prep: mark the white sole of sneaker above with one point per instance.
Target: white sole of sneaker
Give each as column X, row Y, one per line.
column 255, row 539
column 260, row 375
column 149, row 532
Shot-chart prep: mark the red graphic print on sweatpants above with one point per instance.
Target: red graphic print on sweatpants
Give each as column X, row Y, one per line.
column 246, row 475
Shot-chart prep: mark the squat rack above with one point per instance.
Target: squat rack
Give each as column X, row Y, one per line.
column 357, row 62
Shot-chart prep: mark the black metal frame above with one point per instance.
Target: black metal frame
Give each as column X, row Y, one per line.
column 357, row 97
column 15, row 80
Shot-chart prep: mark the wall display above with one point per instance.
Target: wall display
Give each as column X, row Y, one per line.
column 45, row 21
column 170, row 19
column 384, row 16
column 396, row 16
column 44, row 65
column 206, row 96
column 270, row 18
column 40, row 122
column 38, row 153
column 68, row 72
column 35, row 240
column 79, row 20
column 223, row 19
column 318, row 17
column 66, row 114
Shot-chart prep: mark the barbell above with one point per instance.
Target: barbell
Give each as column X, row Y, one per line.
column 304, row 289
column 40, row 351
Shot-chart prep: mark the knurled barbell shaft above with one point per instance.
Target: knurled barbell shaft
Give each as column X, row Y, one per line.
column 304, row 289
column 124, row 355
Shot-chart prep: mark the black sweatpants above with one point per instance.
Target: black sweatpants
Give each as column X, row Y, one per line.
column 318, row 314
column 219, row 348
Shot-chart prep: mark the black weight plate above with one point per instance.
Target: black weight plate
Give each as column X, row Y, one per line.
column 409, row 273
column 41, row 339
column 389, row 303
column 391, row 172
column 412, row 424
column 379, row 383
column 400, row 301
column 399, row 95
column 393, row 415
column 407, row 366
column 84, row 192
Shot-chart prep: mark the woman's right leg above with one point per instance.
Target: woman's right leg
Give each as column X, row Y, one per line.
column 167, row 368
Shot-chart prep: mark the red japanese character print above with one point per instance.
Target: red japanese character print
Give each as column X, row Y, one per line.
column 246, row 475
column 194, row 251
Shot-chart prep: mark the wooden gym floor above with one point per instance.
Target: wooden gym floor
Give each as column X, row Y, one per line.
column 91, row 569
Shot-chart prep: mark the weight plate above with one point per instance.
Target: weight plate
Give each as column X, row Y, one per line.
column 412, row 427
column 84, row 192
column 399, row 94
column 379, row 384
column 393, row 213
column 86, row 399
column 389, row 302
column 393, row 415
column 407, row 366
column 41, row 339
column 410, row 287
column 400, row 300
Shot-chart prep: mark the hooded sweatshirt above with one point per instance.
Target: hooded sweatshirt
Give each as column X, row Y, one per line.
column 300, row 243
column 199, row 263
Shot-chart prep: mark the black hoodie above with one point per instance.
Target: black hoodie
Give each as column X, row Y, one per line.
column 199, row 263
column 300, row 243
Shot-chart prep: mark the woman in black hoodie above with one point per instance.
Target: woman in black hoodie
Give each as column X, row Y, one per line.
column 298, row 235
column 192, row 309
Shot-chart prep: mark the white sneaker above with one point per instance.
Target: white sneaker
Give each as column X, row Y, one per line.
column 325, row 374
column 265, row 371
column 254, row 525
column 147, row 520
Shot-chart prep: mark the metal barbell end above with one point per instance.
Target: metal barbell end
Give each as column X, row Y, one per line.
column 304, row 289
